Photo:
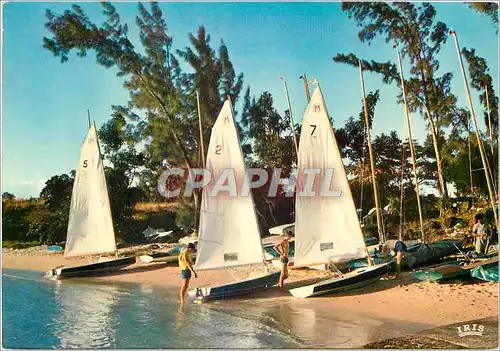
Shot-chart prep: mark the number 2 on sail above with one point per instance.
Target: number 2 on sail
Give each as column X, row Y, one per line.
column 218, row 149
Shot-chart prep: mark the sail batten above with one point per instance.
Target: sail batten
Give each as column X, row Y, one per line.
column 90, row 226
column 326, row 227
column 228, row 231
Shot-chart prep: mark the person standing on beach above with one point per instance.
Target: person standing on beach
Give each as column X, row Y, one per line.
column 186, row 268
column 480, row 233
column 282, row 249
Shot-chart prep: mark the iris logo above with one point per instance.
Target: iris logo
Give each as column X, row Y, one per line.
column 468, row 330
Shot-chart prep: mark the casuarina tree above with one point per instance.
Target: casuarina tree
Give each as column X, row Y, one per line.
column 419, row 38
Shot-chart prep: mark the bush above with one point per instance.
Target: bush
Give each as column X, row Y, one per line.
column 46, row 226
column 14, row 219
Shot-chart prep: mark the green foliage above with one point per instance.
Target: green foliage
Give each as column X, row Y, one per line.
column 14, row 219
column 184, row 215
column 479, row 80
column 9, row 244
column 419, row 37
column 270, row 133
column 46, row 226
column 6, row 196
column 489, row 9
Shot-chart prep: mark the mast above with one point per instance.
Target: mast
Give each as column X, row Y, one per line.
column 372, row 158
column 291, row 116
column 88, row 116
column 412, row 148
column 368, row 257
column 401, row 185
column 105, row 181
column 202, row 145
column 202, row 150
column 306, row 87
column 489, row 118
column 473, row 113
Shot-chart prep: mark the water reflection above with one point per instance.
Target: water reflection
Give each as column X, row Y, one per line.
column 77, row 314
column 84, row 315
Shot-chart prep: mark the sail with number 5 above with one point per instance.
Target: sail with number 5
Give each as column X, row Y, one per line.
column 326, row 223
column 90, row 226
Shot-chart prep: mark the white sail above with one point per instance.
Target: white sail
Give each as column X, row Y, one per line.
column 228, row 233
column 90, row 227
column 326, row 227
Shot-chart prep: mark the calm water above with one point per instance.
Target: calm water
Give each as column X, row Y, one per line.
column 43, row 313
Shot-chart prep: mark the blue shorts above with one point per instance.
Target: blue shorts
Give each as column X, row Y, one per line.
column 186, row 274
column 400, row 246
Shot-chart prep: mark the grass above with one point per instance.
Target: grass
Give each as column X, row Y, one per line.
column 9, row 244
column 149, row 207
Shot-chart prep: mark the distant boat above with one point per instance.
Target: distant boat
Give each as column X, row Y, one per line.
column 327, row 229
column 54, row 248
column 90, row 226
column 168, row 257
column 229, row 233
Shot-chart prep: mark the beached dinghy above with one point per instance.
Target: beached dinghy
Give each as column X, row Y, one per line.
column 90, row 226
column 228, row 231
column 487, row 271
column 327, row 230
column 459, row 270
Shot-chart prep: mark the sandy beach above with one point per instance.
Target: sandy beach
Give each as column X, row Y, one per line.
column 407, row 300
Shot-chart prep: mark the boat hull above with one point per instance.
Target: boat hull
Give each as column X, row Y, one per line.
column 92, row 269
column 352, row 280
column 243, row 287
column 172, row 260
column 460, row 270
column 487, row 272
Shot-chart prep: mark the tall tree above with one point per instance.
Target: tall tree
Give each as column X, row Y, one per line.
column 481, row 80
column 161, row 111
column 419, row 38
column 213, row 76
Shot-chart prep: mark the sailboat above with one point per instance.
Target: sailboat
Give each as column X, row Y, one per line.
column 327, row 230
column 90, row 226
column 228, row 230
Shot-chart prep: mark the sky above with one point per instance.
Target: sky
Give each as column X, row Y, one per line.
column 45, row 103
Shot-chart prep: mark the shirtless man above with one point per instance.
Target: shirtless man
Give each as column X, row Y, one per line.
column 186, row 268
column 282, row 249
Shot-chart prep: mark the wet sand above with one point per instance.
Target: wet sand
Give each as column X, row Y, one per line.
column 382, row 310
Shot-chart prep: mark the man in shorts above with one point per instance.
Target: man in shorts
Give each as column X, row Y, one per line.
column 282, row 249
column 186, row 268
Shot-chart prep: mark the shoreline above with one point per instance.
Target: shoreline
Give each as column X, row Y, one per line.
column 408, row 306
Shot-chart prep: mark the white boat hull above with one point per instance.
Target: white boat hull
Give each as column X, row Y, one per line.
column 242, row 287
column 352, row 280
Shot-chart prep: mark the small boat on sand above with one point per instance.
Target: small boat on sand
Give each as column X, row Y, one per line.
column 460, row 269
column 90, row 225
column 228, row 231
column 327, row 230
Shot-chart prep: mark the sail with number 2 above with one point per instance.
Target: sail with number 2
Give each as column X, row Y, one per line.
column 228, row 233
